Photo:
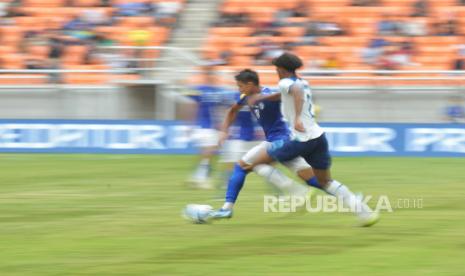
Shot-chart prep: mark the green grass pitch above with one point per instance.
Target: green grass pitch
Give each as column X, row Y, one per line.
column 120, row 215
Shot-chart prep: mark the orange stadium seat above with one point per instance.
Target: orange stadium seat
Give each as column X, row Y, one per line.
column 11, row 35
column 6, row 50
column 43, row 3
column 231, row 31
column 12, row 61
column 136, row 21
column 74, row 55
column 38, row 51
column 360, row 22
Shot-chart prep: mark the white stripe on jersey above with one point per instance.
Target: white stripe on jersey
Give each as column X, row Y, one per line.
column 312, row 129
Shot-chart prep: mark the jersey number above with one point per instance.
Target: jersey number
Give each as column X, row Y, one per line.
column 309, row 99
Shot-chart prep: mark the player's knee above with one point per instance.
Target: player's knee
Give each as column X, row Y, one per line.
column 263, row 170
column 245, row 166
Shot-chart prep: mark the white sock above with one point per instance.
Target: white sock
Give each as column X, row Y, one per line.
column 228, row 205
column 203, row 169
column 280, row 181
column 348, row 198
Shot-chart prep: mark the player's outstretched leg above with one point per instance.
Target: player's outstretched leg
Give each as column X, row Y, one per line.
column 200, row 179
column 235, row 184
column 279, row 180
column 365, row 214
column 237, row 179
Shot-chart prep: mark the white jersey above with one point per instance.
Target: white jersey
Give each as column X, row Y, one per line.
column 312, row 129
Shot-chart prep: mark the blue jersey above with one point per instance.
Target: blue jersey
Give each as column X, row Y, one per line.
column 209, row 99
column 245, row 123
column 268, row 114
column 212, row 101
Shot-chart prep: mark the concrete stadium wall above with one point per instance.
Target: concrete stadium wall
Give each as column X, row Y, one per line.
column 149, row 102
column 398, row 105
column 98, row 102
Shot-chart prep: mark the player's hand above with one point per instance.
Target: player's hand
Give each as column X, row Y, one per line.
column 223, row 136
column 298, row 125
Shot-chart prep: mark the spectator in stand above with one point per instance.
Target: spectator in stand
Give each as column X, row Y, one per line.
column 225, row 57
column 387, row 25
column 420, row 8
column 105, row 3
column 232, row 20
column 167, row 12
column 387, row 60
column 396, row 56
column 75, row 24
column 400, row 55
column 140, row 37
column 408, row 48
column 330, row 64
column 57, row 47
column 413, row 27
column 268, row 51
column 79, row 29
column 461, row 2
column 281, row 16
column 372, row 53
column 461, row 50
column 300, row 10
column 94, row 17
column 459, row 62
column 311, row 35
column 448, row 27
column 329, row 28
column 131, row 9
column 34, row 64
column 4, row 8
column 266, row 29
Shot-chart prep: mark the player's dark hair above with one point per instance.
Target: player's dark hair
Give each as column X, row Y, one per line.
column 288, row 61
column 248, row 75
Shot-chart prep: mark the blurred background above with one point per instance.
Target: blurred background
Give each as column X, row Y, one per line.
column 142, row 76
column 367, row 61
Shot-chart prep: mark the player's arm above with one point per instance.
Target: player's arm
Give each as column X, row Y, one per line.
column 251, row 100
column 298, row 96
column 228, row 121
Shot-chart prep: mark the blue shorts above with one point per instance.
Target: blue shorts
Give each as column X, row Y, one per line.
column 315, row 152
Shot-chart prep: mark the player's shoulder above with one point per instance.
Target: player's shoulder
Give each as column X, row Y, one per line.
column 286, row 83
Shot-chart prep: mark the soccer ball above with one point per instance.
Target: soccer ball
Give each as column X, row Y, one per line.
column 197, row 213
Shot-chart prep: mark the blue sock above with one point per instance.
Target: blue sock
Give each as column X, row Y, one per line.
column 314, row 183
column 236, row 181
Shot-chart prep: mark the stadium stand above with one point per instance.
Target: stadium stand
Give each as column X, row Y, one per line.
column 340, row 34
column 68, row 34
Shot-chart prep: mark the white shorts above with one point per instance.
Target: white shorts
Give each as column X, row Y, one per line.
column 205, row 137
column 233, row 150
column 295, row 165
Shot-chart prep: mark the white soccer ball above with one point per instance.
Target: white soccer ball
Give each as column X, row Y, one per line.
column 197, row 213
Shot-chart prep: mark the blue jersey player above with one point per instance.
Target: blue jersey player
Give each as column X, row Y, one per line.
column 242, row 135
column 268, row 115
column 210, row 106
